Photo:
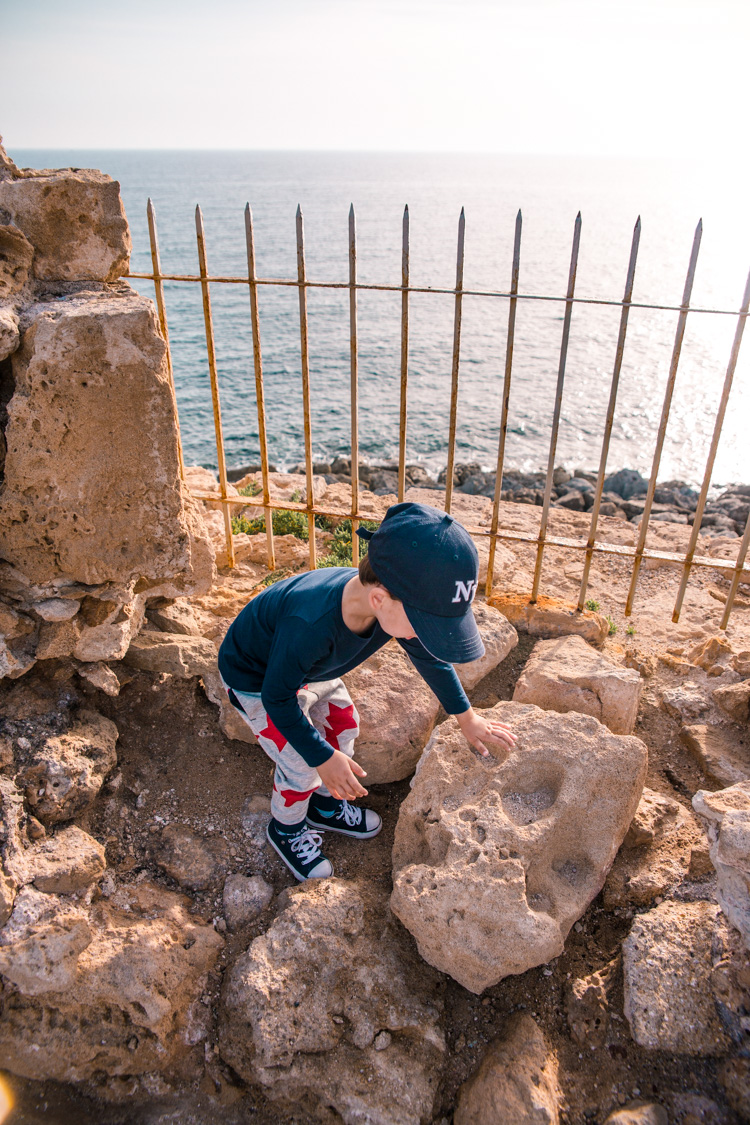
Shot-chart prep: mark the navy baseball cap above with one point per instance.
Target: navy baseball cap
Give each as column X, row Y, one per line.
column 427, row 560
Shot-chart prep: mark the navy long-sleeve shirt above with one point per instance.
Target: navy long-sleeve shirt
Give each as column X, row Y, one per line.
column 294, row 633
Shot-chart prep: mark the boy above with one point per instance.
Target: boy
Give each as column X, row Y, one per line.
column 283, row 656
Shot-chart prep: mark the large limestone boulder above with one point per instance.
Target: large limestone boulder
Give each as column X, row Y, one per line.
column 75, row 221
column 668, row 963
column 516, row 1081
column 567, row 674
column 397, row 712
column 550, row 617
column 726, row 815
column 92, row 492
column 499, row 638
column 495, row 859
column 656, row 853
column 112, row 989
column 66, row 772
column 331, row 1008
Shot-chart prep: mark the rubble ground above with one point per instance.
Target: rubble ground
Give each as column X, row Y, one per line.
column 175, row 767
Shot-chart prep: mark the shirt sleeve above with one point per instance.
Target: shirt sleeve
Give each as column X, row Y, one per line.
column 295, row 650
column 440, row 676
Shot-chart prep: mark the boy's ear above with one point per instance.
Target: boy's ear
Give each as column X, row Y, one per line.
column 376, row 596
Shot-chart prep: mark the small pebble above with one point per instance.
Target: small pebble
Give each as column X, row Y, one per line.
column 383, row 1040
column 23, row 743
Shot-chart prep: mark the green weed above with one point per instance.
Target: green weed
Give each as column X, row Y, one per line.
column 251, row 489
column 339, row 551
column 283, row 523
column 630, row 631
column 612, row 626
column 592, row 605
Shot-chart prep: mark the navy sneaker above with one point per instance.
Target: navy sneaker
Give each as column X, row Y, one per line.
column 300, row 852
column 339, row 816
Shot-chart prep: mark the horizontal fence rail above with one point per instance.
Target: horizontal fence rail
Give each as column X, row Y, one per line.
column 541, row 540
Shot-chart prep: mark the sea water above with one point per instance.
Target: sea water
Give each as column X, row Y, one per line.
column 670, row 198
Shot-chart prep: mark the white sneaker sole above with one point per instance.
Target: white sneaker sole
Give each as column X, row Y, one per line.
column 285, row 861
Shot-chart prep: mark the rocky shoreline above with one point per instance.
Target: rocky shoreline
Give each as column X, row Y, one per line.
column 624, row 495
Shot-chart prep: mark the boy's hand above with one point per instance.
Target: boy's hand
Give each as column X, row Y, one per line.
column 337, row 773
column 476, row 729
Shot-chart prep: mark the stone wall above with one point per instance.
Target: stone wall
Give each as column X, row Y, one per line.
column 95, row 518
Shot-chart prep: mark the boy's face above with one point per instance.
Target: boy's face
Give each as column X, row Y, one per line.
column 390, row 614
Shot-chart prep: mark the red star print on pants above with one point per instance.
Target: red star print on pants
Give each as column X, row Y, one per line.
column 273, row 735
column 337, row 721
column 292, row 796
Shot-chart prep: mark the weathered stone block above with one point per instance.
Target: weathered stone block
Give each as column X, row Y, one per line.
column 550, row 617
column 92, row 492
column 113, row 989
column 9, row 340
column 66, row 862
column 734, row 700
column 516, row 1081
column 723, row 754
column 499, row 638
column 727, row 817
column 67, row 772
column 494, row 860
column 667, row 966
column 16, row 254
column 75, row 221
column 657, row 852
column 568, row 675
column 304, row 1006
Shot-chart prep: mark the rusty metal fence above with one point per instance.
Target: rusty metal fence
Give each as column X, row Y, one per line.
column 588, row 547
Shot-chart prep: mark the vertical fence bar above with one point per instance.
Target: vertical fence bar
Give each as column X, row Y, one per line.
column 627, row 298
column 259, row 395
column 677, row 348
column 354, row 380
column 506, row 400
column 739, row 330
column 404, row 351
column 736, row 576
column 456, row 354
column 162, row 310
column 558, row 405
column 302, row 285
column 211, row 350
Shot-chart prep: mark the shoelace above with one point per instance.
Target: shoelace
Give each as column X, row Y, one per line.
column 307, row 846
column 350, row 814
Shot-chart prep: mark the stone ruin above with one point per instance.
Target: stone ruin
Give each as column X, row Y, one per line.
column 95, row 518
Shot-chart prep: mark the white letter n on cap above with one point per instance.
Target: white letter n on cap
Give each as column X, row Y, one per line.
column 465, row 591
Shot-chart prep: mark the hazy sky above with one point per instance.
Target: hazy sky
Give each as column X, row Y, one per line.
column 612, row 77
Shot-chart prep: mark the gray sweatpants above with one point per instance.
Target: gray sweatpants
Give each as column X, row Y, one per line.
column 329, row 708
